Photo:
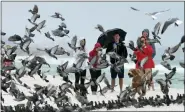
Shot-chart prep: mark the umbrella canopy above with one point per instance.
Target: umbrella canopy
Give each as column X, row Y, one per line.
column 107, row 37
column 182, row 39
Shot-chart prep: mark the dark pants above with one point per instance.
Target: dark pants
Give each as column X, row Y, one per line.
column 114, row 73
column 94, row 76
column 78, row 77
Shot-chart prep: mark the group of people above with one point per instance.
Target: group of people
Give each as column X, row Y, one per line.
column 117, row 46
column 147, row 51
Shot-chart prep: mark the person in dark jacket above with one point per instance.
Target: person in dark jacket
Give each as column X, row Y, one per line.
column 95, row 73
column 121, row 50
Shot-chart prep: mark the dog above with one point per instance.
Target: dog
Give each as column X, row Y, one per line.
column 139, row 80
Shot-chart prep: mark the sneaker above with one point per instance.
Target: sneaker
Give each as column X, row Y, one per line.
column 93, row 93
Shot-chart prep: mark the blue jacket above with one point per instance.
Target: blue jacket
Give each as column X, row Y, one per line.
column 153, row 45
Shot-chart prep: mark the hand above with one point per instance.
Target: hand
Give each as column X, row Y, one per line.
column 143, row 45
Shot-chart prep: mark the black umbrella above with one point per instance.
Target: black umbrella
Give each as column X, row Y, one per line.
column 182, row 39
column 107, row 37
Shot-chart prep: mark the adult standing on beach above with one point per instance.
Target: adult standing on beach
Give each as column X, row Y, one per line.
column 145, row 51
column 121, row 50
column 79, row 77
column 146, row 34
column 95, row 73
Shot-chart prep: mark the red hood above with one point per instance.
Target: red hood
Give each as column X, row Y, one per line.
column 97, row 45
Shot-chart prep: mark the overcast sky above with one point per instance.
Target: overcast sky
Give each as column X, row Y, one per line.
column 82, row 17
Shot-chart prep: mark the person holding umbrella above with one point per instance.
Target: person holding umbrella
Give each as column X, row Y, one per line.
column 121, row 50
column 95, row 73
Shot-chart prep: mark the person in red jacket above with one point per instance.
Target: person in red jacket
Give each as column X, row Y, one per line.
column 97, row 73
column 146, row 51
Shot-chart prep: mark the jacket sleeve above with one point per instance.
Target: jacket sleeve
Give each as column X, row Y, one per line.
column 148, row 50
column 136, row 51
column 124, row 51
column 109, row 48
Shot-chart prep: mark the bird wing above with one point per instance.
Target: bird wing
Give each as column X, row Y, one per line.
column 100, row 27
column 182, row 64
column 26, row 32
column 9, row 52
column 155, row 73
column 164, row 10
column 143, row 61
column 41, row 24
column 63, row 25
column 100, row 78
column 104, row 57
column 33, row 18
column 161, row 82
column 80, row 62
column 166, row 25
column 35, row 8
column 73, row 41
column 48, row 34
column 134, row 9
column 174, row 49
column 131, row 42
column 106, row 82
column 26, row 43
column 157, row 28
column 33, row 28
column 64, row 66
column 54, row 49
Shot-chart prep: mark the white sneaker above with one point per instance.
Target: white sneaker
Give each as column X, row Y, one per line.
column 93, row 93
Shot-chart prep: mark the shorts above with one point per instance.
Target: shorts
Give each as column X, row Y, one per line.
column 114, row 73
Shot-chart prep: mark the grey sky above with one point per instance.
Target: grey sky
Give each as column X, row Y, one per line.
column 82, row 17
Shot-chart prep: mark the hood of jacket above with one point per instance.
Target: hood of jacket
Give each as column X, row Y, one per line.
column 96, row 46
column 146, row 30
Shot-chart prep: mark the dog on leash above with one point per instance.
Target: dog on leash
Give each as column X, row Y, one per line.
column 139, row 80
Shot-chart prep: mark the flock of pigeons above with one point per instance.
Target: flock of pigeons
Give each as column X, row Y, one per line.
column 32, row 67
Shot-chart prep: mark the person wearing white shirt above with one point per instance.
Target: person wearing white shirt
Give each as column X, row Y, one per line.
column 79, row 76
